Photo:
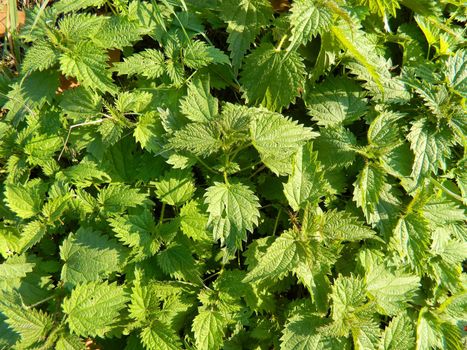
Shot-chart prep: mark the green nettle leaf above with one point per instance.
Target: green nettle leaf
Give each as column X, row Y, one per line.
column 199, row 105
column 136, row 232
column 233, row 210
column 89, row 256
column 199, row 55
column 234, row 174
column 336, row 225
column 176, row 187
column 384, row 131
column 69, row 342
column 368, row 187
column 88, row 64
column 178, row 262
column 336, row 101
column 13, row 270
column 456, row 72
column 272, row 78
column 159, row 336
column 40, row 57
column 32, row 325
column 114, row 199
column 302, row 332
column 197, row 138
column 391, row 290
column 336, row 147
column 277, row 139
column 66, row 6
column 93, row 309
column 31, row 234
column 194, row 222
column 411, row 239
column 430, row 147
column 357, row 44
column 148, row 63
column 280, row 258
column 149, row 132
column 399, row 334
column 351, row 314
column 308, row 18
column 382, row 8
column 306, row 182
column 245, row 20
column 208, row 327
column 25, row 200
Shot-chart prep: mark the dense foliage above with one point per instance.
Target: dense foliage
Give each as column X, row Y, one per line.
column 234, row 174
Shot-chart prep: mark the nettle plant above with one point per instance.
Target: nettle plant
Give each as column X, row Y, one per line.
column 232, row 174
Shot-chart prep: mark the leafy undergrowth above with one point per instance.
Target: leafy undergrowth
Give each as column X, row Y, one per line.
column 235, row 174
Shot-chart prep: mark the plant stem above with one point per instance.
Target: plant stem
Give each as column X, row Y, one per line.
column 205, row 165
column 161, row 217
column 276, row 223
column 278, row 48
column 261, row 168
column 447, row 191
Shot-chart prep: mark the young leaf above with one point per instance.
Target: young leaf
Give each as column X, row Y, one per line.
column 93, row 309
column 336, row 101
column 199, row 105
column 88, row 64
column 32, row 325
column 245, row 20
column 306, row 182
column 391, row 290
column 279, row 259
column 89, row 256
column 149, row 63
column 272, row 78
column 25, row 201
column 368, row 187
column 40, row 56
column 308, row 19
column 411, row 239
column 114, row 199
column 233, row 210
column 302, row 332
column 176, row 187
column 178, row 262
column 201, row 139
column 335, row 147
column 277, row 138
column 430, row 147
column 336, row 225
column 208, row 327
column 194, row 222
column 159, row 336
column 399, row 334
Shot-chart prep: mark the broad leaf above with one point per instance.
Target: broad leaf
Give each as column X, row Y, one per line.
column 93, row 309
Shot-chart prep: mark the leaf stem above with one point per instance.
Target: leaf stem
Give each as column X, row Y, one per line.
column 276, row 223
column 261, row 168
column 205, row 165
column 447, row 191
column 161, row 217
column 279, row 47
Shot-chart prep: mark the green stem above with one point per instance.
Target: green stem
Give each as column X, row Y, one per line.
column 261, row 168
column 249, row 167
column 278, row 48
column 205, row 165
column 40, row 302
column 447, row 191
column 161, row 217
column 276, row 223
